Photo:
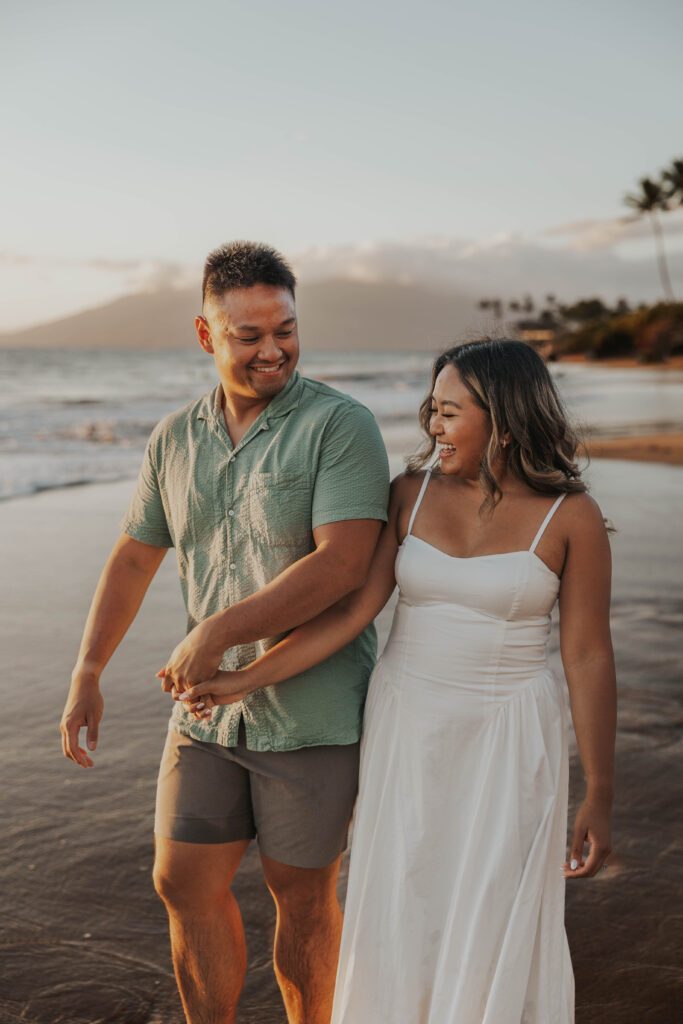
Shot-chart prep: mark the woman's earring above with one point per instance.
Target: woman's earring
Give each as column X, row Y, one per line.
column 504, row 443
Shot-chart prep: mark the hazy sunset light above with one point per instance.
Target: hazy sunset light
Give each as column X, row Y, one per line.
column 138, row 136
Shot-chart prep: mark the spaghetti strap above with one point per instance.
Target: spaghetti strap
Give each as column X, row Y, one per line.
column 419, row 499
column 545, row 522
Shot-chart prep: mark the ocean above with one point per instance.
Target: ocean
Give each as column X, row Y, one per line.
column 72, row 417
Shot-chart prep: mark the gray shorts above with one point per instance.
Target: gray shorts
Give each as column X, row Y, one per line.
column 297, row 802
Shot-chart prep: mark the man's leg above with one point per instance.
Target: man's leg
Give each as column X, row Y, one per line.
column 207, row 937
column 309, row 923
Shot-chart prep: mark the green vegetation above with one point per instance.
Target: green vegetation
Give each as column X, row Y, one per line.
column 589, row 327
column 650, row 333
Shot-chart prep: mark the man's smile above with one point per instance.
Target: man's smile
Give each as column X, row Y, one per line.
column 271, row 368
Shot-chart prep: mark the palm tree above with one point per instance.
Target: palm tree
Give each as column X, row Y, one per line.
column 651, row 199
column 495, row 305
column 672, row 182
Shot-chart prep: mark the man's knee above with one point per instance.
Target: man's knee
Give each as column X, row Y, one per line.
column 174, row 890
column 302, row 893
column 190, row 876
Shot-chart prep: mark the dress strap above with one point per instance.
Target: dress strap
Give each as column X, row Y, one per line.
column 547, row 519
column 419, row 499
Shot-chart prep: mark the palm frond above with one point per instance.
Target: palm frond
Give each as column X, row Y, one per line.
column 672, row 182
column 651, row 197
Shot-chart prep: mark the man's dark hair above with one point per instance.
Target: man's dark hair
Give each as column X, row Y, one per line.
column 242, row 265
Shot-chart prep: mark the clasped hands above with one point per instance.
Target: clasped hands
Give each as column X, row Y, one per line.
column 192, row 675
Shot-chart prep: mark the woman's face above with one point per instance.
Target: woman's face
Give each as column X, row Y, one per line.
column 462, row 429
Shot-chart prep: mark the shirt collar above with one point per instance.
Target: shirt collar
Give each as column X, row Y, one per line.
column 208, row 403
column 287, row 399
column 210, row 406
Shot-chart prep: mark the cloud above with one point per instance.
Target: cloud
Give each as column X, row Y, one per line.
column 412, row 260
column 157, row 275
column 507, row 266
column 137, row 274
column 37, row 288
column 590, row 235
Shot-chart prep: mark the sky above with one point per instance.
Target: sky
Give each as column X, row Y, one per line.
column 139, row 135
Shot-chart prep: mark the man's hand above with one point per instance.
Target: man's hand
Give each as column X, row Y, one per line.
column 224, row 688
column 198, row 710
column 83, row 709
column 195, row 659
column 122, row 586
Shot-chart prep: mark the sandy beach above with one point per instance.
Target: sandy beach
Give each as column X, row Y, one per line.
column 84, row 935
column 637, row 446
column 625, row 362
column 667, row 448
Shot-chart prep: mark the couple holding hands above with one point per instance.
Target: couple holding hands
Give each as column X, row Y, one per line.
column 274, row 491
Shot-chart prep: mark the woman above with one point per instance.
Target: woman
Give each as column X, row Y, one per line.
column 455, row 904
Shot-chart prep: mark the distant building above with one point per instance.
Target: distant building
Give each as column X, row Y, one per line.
column 541, row 335
column 536, row 331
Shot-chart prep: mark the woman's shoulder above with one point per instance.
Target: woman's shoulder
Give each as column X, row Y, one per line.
column 407, row 483
column 582, row 515
column 405, row 489
column 581, row 504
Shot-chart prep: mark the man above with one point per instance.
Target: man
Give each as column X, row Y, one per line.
column 272, row 488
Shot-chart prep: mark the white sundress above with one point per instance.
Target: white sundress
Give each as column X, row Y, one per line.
column 455, row 903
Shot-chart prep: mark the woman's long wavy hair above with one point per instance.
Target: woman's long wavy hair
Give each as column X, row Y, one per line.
column 511, row 383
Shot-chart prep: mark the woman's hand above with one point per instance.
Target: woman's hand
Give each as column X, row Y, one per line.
column 223, row 688
column 592, row 826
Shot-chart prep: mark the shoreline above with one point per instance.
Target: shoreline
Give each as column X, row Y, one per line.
column 666, row 449
column 662, row 448
column 621, row 362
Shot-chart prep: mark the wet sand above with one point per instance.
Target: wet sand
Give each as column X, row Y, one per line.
column 667, row 448
column 625, row 362
column 84, row 937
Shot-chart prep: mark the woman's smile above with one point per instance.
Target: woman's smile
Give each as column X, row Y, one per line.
column 445, row 449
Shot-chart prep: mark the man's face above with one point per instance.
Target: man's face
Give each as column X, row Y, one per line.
column 252, row 335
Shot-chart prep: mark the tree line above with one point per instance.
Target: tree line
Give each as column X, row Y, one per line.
column 592, row 327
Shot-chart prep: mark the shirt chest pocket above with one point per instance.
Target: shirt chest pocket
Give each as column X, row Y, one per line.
column 279, row 509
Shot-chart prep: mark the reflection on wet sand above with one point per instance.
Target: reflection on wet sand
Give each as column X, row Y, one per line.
column 85, row 937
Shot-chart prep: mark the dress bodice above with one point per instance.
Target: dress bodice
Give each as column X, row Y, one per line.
column 513, row 585
column 481, row 623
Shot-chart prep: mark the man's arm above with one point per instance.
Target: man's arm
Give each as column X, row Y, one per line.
column 124, row 581
column 303, row 590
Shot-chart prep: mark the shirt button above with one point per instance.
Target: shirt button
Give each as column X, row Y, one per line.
column 231, row 511
column 232, row 565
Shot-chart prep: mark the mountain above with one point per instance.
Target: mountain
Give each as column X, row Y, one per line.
column 334, row 315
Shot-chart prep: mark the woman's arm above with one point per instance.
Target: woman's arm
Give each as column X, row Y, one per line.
column 315, row 640
column 588, row 661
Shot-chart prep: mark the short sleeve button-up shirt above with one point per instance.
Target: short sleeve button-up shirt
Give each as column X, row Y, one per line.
column 238, row 515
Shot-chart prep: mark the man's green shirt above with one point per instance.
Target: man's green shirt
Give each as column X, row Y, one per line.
column 238, row 515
